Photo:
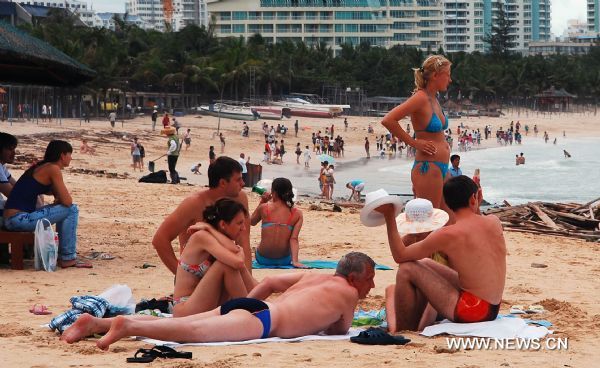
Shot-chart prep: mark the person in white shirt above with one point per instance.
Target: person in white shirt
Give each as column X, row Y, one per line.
column 307, row 157
column 243, row 161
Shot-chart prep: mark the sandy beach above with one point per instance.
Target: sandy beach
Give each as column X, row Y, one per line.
column 119, row 216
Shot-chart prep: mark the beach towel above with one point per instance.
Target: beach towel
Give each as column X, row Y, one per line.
column 351, row 332
column 312, row 264
column 500, row 328
column 370, row 318
column 93, row 305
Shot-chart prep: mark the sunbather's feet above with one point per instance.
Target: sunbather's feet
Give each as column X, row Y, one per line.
column 86, row 325
column 116, row 332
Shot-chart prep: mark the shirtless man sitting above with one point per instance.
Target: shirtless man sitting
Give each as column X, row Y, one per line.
column 224, row 180
column 470, row 288
column 309, row 303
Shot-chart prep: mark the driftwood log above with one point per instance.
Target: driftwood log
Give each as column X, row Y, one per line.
column 571, row 220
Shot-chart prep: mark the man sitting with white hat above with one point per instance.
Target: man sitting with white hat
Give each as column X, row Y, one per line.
column 470, row 289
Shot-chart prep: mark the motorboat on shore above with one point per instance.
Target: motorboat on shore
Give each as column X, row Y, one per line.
column 230, row 111
column 301, row 107
column 272, row 112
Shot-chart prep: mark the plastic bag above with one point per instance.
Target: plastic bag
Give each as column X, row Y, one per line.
column 45, row 246
column 120, row 298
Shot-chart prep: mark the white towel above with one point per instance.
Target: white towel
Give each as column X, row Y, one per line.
column 501, row 328
column 351, row 332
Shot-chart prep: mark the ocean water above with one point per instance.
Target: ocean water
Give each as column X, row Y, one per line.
column 546, row 176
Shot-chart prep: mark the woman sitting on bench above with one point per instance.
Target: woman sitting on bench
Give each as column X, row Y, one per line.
column 45, row 177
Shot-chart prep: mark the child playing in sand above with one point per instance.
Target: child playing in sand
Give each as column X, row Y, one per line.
column 85, row 148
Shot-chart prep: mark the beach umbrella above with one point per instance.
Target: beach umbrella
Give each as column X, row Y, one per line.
column 328, row 158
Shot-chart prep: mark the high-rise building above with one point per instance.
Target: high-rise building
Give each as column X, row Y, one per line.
column 177, row 13
column 333, row 22
column 455, row 25
column 80, row 8
column 593, row 16
column 468, row 22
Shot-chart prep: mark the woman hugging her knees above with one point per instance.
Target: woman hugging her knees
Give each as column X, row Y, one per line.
column 211, row 268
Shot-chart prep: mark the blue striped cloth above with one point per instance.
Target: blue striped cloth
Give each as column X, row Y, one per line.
column 317, row 264
column 90, row 304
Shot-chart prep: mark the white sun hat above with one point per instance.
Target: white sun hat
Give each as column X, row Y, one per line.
column 420, row 217
column 371, row 218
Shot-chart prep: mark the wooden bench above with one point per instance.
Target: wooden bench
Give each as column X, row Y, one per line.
column 18, row 241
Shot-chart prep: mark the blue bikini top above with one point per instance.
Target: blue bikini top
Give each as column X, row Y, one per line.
column 435, row 125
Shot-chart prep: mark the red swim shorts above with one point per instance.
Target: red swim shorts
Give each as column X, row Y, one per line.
column 471, row 308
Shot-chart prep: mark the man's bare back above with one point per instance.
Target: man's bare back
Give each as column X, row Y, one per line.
column 477, row 252
column 328, row 299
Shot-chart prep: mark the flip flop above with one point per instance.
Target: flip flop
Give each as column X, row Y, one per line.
column 376, row 336
column 39, row 310
column 106, row 256
column 158, row 351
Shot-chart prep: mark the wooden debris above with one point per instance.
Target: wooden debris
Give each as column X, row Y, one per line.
column 571, row 220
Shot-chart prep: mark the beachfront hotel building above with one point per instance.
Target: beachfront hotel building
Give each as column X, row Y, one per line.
column 455, row 25
column 467, row 22
column 593, row 16
column 181, row 13
column 334, row 22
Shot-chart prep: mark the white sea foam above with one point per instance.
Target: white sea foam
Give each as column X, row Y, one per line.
column 546, row 176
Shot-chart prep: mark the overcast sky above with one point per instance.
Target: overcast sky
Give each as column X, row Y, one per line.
column 562, row 11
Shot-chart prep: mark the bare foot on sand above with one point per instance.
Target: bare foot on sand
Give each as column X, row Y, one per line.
column 115, row 333
column 85, row 326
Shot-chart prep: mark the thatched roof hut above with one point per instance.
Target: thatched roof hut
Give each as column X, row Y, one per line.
column 25, row 59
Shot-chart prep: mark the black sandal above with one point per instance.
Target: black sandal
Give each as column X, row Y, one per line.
column 158, row 351
column 376, row 336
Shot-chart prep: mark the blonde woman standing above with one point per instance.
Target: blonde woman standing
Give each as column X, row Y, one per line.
column 429, row 122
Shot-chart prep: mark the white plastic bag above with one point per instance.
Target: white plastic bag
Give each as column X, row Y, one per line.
column 46, row 246
column 120, row 298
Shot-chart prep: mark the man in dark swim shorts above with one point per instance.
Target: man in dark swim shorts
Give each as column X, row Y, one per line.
column 309, row 303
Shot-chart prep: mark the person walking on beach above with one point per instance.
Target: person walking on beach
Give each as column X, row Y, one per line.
column 298, row 153
column 307, row 157
column 546, row 137
column 367, row 147
column 166, row 122
column 224, row 181
column 461, row 292
column 222, row 140
column 330, row 180
column 187, row 139
column 296, row 127
column 176, row 125
column 212, row 156
column 430, row 167
column 112, row 117
column 535, row 130
column 308, row 304
column 136, row 155
column 243, row 163
column 345, row 124
column 154, row 118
